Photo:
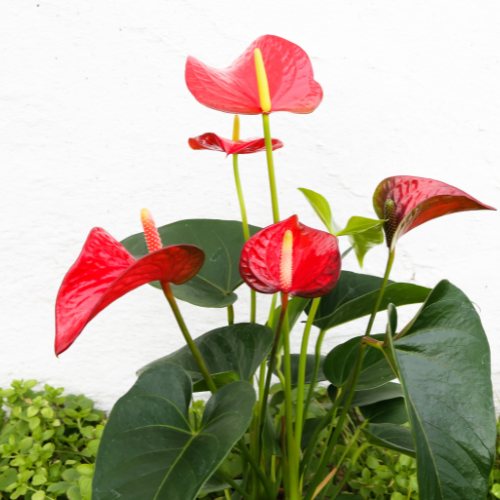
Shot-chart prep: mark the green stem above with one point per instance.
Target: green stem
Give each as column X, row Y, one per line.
column 187, row 336
column 317, row 362
column 272, row 358
column 230, row 315
column 270, row 166
column 381, row 292
column 300, row 415
column 246, row 231
column 293, row 449
column 353, row 382
column 255, row 466
column 253, row 306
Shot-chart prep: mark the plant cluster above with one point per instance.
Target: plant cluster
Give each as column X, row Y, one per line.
column 48, row 444
column 293, row 440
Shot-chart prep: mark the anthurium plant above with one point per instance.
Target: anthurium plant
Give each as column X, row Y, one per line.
column 292, row 421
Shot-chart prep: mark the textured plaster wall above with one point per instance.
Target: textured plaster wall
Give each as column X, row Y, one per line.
column 94, row 121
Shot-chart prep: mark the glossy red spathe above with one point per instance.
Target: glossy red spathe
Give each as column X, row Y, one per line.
column 418, row 200
column 213, row 142
column 105, row 271
column 292, row 258
column 234, row 89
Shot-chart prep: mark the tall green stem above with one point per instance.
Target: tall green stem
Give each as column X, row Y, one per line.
column 230, row 315
column 293, row 449
column 270, row 167
column 187, row 336
column 300, row 415
column 243, row 210
column 317, row 362
column 381, row 292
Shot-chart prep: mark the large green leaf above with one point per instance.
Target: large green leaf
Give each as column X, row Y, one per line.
column 239, row 348
column 391, row 436
column 444, row 365
column 221, row 240
column 363, row 242
column 355, row 296
column 149, row 451
column 340, row 362
column 321, row 207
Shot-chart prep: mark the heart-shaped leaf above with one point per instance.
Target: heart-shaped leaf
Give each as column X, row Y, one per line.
column 356, row 294
column 149, row 451
column 340, row 362
column 239, row 348
column 444, row 366
column 222, row 242
column 391, row 436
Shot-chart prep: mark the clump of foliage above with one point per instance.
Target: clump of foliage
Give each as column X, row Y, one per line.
column 48, row 443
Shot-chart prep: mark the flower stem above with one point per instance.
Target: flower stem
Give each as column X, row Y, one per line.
column 293, row 449
column 230, row 315
column 388, row 268
column 187, row 336
column 270, row 167
column 317, row 362
column 300, row 415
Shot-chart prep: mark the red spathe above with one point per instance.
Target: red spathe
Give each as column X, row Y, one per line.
column 214, row 142
column 105, row 271
column 234, row 89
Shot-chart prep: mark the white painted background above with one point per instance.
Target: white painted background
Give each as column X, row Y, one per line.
column 94, row 122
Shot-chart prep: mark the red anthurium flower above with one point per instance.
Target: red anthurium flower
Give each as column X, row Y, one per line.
column 213, row 142
column 291, row 258
column 234, row 89
column 407, row 201
column 105, row 271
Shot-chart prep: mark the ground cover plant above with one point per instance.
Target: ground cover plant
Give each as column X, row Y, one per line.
column 48, row 443
column 264, row 412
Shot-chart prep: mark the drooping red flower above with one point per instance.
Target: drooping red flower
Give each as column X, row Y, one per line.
column 105, row 271
column 408, row 201
column 213, row 142
column 234, row 89
column 292, row 258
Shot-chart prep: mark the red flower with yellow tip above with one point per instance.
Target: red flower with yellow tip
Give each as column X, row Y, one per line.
column 292, row 258
column 407, row 201
column 272, row 74
column 213, row 142
column 105, row 271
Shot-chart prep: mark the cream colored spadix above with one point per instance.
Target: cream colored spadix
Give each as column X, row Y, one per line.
column 286, row 262
column 262, row 84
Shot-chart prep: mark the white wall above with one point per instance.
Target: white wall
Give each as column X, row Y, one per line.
column 94, row 121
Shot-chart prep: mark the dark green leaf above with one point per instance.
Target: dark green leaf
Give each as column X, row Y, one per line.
column 340, row 361
column 355, row 296
column 294, row 362
column 357, row 225
column 148, row 449
column 391, row 411
column 444, row 365
column 239, row 348
column 221, row 240
column 393, row 437
column 214, row 484
column 310, row 426
column 384, row 392
column 271, row 437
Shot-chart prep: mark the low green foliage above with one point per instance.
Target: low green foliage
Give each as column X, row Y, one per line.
column 48, row 444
